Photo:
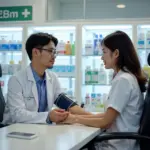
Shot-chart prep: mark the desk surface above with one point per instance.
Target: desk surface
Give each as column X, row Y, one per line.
column 50, row 137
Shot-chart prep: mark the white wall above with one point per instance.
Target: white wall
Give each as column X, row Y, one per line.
column 134, row 9
column 71, row 10
column 53, row 12
column 97, row 9
column 39, row 7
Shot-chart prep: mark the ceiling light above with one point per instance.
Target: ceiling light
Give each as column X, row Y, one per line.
column 121, row 6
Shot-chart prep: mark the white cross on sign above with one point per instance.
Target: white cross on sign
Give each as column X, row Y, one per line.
column 25, row 13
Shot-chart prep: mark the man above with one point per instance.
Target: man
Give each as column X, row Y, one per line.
column 33, row 91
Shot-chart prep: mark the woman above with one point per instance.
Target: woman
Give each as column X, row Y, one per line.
column 125, row 99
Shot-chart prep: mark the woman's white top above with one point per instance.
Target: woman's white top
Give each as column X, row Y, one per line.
column 126, row 98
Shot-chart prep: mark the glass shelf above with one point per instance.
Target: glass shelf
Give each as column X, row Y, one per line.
column 143, row 48
column 65, row 55
column 3, row 51
column 91, row 55
column 96, row 84
column 65, row 75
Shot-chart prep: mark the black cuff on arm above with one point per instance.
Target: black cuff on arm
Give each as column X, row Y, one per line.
column 73, row 104
column 64, row 102
column 48, row 119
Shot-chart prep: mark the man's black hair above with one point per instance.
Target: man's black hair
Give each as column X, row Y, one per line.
column 38, row 40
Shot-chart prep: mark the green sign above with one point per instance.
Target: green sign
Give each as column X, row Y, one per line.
column 16, row 13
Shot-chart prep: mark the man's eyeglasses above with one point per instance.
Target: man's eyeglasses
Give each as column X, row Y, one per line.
column 51, row 51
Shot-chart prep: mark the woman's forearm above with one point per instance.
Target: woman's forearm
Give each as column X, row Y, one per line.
column 99, row 115
column 78, row 110
column 93, row 122
column 100, row 122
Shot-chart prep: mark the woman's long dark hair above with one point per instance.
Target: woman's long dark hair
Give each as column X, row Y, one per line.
column 127, row 55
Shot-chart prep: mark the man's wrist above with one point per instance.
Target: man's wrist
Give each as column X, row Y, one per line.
column 48, row 120
column 76, row 119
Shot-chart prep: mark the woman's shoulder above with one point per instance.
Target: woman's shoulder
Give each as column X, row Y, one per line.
column 125, row 76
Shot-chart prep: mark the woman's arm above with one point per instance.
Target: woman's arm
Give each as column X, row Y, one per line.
column 78, row 110
column 103, row 122
column 99, row 115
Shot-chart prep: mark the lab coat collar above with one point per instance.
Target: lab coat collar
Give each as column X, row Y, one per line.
column 48, row 76
column 31, row 77
column 30, row 74
column 120, row 72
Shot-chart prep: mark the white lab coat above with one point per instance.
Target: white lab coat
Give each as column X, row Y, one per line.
column 126, row 98
column 22, row 97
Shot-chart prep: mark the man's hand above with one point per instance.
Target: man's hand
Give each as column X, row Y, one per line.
column 70, row 119
column 58, row 115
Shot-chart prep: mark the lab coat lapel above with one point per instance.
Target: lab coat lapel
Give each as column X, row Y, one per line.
column 35, row 93
column 49, row 90
column 34, row 87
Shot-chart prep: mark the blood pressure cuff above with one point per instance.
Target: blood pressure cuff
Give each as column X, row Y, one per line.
column 64, row 102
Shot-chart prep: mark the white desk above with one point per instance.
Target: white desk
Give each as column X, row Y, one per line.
column 50, row 137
